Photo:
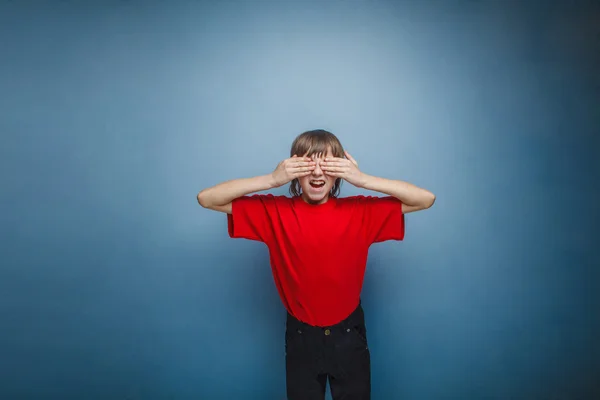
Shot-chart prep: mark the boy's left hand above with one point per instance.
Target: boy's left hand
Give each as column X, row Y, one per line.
column 345, row 168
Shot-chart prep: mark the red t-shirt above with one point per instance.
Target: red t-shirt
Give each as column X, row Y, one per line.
column 318, row 253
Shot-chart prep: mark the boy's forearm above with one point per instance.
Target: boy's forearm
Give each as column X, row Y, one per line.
column 407, row 193
column 224, row 193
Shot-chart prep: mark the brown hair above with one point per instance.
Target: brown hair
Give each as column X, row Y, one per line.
column 311, row 142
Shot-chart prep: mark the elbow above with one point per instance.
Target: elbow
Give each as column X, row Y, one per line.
column 202, row 200
column 429, row 200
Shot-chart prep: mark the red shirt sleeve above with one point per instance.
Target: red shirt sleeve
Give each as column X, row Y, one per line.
column 249, row 218
column 384, row 219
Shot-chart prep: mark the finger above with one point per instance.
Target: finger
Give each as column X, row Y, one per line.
column 339, row 163
column 351, row 158
column 301, row 174
column 302, row 164
column 334, row 169
column 301, row 169
column 296, row 160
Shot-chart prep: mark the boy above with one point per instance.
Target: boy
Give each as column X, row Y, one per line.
column 318, row 245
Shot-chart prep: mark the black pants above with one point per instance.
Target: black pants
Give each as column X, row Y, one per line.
column 339, row 352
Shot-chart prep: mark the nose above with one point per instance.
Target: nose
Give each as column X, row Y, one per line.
column 317, row 171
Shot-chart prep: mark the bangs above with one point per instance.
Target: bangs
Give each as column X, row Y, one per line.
column 317, row 146
column 313, row 142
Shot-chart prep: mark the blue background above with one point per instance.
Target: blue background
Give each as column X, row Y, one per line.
column 116, row 284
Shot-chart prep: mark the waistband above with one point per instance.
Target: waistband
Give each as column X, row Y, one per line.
column 357, row 317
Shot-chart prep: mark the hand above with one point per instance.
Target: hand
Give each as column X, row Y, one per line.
column 292, row 168
column 345, row 168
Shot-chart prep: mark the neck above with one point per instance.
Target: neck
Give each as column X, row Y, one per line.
column 309, row 201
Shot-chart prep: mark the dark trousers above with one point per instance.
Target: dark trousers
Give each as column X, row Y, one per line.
column 339, row 352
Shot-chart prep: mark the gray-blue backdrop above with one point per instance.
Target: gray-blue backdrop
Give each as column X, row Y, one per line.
column 116, row 284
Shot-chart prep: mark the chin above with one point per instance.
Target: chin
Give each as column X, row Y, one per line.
column 316, row 197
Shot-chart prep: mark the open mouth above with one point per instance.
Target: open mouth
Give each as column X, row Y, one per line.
column 317, row 184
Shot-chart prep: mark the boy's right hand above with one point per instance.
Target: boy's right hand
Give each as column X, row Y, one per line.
column 292, row 168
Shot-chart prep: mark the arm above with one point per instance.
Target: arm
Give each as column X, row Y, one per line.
column 413, row 198
column 220, row 197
